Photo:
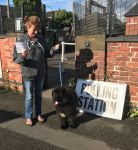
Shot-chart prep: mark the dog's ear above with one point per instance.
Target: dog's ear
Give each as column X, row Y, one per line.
column 53, row 91
column 63, row 91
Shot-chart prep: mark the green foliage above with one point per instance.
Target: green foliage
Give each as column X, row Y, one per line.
column 119, row 25
column 71, row 82
column 62, row 18
column 133, row 112
column 18, row 2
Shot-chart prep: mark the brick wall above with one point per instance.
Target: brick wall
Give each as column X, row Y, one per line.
column 11, row 73
column 89, row 64
column 90, row 57
column 122, row 66
column 132, row 25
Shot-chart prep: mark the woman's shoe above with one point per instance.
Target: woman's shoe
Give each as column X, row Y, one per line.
column 40, row 118
column 29, row 122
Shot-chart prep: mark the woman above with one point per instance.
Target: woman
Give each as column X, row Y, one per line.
column 32, row 58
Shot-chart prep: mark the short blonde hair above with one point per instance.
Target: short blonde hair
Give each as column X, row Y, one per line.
column 31, row 20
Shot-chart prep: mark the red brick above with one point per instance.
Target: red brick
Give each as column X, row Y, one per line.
column 122, row 58
column 132, row 83
column 135, row 99
column 112, row 48
column 95, row 54
column 133, row 44
column 133, row 89
column 123, row 78
column 113, row 43
column 134, row 103
column 132, row 64
column 133, row 78
column 132, row 69
column 123, row 48
column 135, row 59
column 124, row 44
column 134, row 49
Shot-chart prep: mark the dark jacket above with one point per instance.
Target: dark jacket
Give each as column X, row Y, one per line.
column 34, row 65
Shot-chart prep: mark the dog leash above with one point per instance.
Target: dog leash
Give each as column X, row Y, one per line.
column 59, row 67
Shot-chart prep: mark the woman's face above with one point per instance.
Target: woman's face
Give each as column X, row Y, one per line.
column 32, row 31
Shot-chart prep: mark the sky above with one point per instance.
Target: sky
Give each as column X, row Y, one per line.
column 51, row 4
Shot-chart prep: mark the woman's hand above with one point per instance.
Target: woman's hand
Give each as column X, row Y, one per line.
column 24, row 53
column 57, row 46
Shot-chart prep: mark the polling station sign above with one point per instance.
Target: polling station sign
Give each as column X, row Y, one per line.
column 101, row 98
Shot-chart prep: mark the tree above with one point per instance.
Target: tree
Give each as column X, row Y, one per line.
column 62, row 18
column 30, row 7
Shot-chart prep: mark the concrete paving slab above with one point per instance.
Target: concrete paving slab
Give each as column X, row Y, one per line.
column 64, row 139
column 47, row 93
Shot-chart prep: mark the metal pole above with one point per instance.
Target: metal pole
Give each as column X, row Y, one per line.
column 73, row 25
column 63, row 53
column 44, row 21
column 59, row 68
column 22, row 14
column 60, row 73
column 8, row 8
column 110, row 17
column 62, row 56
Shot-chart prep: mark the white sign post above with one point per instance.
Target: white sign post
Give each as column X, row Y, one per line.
column 0, row 69
column 18, row 25
column 101, row 98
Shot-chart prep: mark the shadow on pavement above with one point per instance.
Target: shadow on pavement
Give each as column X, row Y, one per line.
column 6, row 116
column 85, row 118
column 47, row 115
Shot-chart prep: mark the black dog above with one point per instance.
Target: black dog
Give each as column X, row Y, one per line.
column 66, row 101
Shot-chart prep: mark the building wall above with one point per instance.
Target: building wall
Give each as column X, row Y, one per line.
column 11, row 72
column 132, row 25
column 90, row 57
column 122, row 66
column 89, row 64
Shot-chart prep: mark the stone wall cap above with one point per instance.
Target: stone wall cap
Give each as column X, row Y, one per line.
column 130, row 38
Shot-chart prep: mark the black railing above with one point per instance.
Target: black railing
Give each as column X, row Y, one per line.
column 103, row 16
column 8, row 23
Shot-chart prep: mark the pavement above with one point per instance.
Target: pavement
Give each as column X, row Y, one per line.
column 92, row 133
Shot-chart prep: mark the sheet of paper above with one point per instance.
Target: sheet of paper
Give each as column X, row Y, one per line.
column 20, row 46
